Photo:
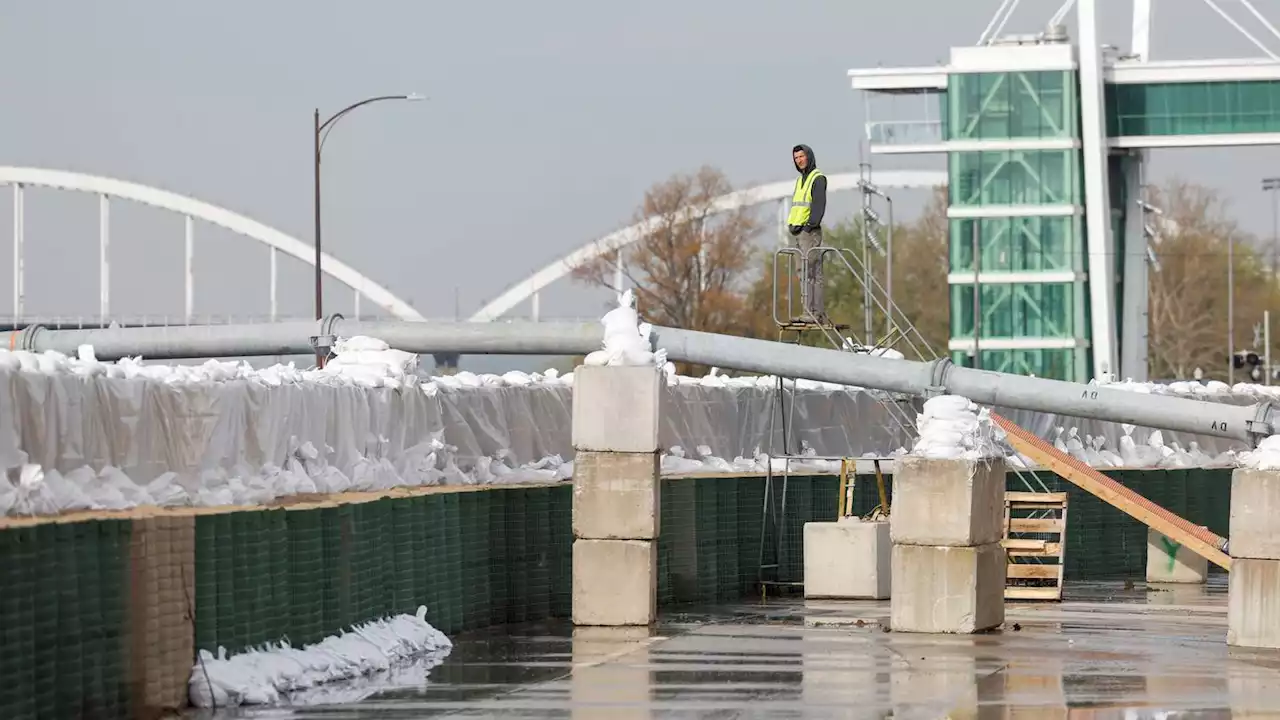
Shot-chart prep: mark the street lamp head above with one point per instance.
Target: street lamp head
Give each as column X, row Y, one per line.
column 1148, row 207
column 415, row 96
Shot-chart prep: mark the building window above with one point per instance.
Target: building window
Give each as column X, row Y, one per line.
column 1021, row 244
column 1195, row 108
column 1016, row 310
column 1015, row 177
column 1002, row 106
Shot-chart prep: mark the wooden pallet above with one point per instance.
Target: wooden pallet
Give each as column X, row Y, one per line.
column 1035, row 564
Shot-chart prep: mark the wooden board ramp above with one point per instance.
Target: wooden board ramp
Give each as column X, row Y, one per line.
column 1035, row 532
column 1198, row 539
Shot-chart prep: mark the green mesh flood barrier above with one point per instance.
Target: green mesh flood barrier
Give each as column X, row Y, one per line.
column 64, row 617
column 475, row 558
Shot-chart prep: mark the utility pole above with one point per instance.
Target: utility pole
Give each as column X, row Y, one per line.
column 1272, row 185
column 977, row 292
column 1231, row 309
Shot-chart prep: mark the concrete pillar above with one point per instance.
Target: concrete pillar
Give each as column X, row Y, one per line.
column 616, row 495
column 162, row 568
column 948, row 566
column 1253, row 603
column 1169, row 562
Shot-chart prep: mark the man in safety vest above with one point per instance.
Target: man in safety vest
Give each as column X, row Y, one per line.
column 808, row 203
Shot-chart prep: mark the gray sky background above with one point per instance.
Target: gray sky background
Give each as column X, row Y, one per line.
column 546, row 123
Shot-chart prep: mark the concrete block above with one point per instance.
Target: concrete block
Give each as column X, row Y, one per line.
column 1253, row 603
column 947, row 589
column 616, row 496
column 616, row 409
column 953, row 503
column 615, row 582
column 848, row 559
column 1169, row 561
column 1255, row 514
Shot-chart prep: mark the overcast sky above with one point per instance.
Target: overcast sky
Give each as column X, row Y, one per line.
column 546, row 122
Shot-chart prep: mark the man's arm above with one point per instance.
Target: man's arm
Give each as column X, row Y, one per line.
column 819, row 206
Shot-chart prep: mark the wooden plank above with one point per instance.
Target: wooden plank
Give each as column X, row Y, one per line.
column 1199, row 540
column 1024, row 544
column 1051, row 550
column 1035, row 525
column 1036, row 571
column 1032, row 507
column 1036, row 497
column 1033, row 593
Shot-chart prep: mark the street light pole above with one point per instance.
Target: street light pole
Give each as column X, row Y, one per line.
column 321, row 132
column 319, row 274
column 1231, row 309
column 1272, row 185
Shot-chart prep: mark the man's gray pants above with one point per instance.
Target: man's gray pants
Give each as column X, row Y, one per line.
column 811, row 264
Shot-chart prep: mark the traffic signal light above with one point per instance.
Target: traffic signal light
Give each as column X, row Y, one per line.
column 1249, row 359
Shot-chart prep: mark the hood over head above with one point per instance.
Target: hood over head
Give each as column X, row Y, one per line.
column 813, row 159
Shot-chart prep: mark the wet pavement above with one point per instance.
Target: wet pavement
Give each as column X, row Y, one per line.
column 1107, row 651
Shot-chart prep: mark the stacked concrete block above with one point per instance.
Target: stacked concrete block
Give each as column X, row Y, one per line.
column 1253, row 604
column 616, row 486
column 948, row 567
column 848, row 559
column 1169, row 561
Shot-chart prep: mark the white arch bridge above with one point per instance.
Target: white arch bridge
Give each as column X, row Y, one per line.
column 19, row 178
column 107, row 189
column 530, row 287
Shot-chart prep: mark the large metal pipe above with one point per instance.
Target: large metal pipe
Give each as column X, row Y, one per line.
column 1238, row 422
column 295, row 338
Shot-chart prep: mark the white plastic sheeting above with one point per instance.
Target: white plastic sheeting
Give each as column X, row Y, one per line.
column 278, row 672
column 79, row 434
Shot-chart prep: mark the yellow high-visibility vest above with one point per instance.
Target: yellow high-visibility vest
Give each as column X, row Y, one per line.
column 802, row 198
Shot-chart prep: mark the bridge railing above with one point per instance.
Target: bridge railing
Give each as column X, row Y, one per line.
column 905, row 132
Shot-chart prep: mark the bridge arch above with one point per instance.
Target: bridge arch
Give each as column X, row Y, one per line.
column 533, row 284
column 105, row 187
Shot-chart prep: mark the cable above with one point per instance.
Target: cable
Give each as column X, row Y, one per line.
column 1240, row 28
column 1004, row 22
column 1061, row 15
column 1265, row 23
column 983, row 39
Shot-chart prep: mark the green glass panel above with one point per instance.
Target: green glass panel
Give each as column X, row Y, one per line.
column 1026, row 244
column 1015, row 177
column 1016, row 310
column 1053, row 364
column 999, row 106
column 1195, row 108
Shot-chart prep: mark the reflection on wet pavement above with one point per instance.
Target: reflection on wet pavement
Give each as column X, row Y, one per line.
column 1106, row 652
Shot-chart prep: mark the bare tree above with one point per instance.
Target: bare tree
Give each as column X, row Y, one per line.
column 692, row 266
column 1188, row 288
